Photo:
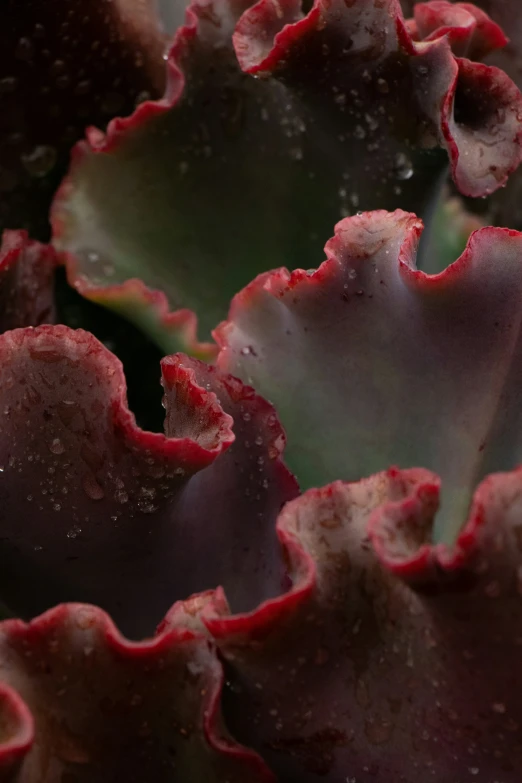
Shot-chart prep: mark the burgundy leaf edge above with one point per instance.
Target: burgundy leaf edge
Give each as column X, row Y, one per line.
column 428, row 559
column 182, row 323
column 170, row 448
column 279, row 281
column 14, row 241
column 16, row 715
column 475, row 24
column 408, row 521
column 178, row 632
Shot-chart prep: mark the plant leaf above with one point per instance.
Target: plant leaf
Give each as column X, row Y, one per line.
column 197, row 193
column 95, row 509
column 106, row 709
column 371, row 363
column 26, row 282
column 388, row 653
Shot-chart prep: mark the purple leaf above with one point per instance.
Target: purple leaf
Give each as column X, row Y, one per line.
column 95, row 509
column 389, row 659
column 26, row 282
column 106, row 709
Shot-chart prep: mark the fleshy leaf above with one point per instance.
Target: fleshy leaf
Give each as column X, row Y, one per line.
column 95, row 509
column 16, row 732
column 389, row 659
column 106, row 709
column 64, row 65
column 149, row 311
column 26, row 282
column 371, row 363
column 471, row 32
column 504, row 207
column 197, row 193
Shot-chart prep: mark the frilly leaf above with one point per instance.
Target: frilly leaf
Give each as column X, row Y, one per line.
column 350, row 114
column 16, row 732
column 106, row 709
column 149, row 311
column 26, row 282
column 471, row 32
column 389, row 658
column 63, row 66
column 372, row 363
column 95, row 509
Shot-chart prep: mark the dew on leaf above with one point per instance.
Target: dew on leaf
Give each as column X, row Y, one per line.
column 403, row 166
column 56, row 446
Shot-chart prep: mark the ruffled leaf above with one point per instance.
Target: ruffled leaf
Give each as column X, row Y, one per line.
column 105, row 709
column 389, row 660
column 227, row 175
column 95, row 509
column 471, row 32
column 372, row 363
column 64, row 65
column 504, row 207
column 26, row 282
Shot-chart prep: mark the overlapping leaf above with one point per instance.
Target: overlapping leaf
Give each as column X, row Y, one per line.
column 372, row 363
column 227, row 175
column 105, row 709
column 390, row 659
column 95, row 509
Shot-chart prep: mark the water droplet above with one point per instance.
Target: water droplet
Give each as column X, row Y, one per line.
column 352, row 274
column 85, row 618
column 92, row 488
column 74, row 532
column 56, row 446
column 403, row 166
column 121, row 496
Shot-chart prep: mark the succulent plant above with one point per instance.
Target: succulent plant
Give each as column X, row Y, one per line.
column 308, row 566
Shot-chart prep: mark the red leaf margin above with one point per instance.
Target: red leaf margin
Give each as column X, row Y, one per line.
column 171, row 649
column 258, row 55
